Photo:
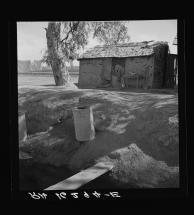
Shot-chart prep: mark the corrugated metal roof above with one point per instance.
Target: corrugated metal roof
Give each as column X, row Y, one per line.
column 145, row 48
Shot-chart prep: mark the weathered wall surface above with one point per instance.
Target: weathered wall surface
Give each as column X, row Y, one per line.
column 160, row 63
column 90, row 73
column 152, row 70
column 94, row 72
column 170, row 78
column 107, row 67
column 142, row 66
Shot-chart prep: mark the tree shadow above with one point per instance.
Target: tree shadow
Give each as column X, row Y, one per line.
column 44, row 107
column 142, row 119
column 119, row 117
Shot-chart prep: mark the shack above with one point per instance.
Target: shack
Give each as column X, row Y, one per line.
column 143, row 65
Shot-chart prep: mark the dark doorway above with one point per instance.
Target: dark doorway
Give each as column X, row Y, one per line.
column 118, row 68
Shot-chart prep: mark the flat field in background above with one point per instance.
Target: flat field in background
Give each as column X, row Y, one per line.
column 40, row 79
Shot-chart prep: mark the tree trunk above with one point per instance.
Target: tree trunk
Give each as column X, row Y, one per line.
column 60, row 73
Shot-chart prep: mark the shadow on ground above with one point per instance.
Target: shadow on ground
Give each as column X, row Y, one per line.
column 120, row 118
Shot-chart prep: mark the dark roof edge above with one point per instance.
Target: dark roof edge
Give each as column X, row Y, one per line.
column 115, row 57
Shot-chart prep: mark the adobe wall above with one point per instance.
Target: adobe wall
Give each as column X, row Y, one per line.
column 170, row 78
column 160, row 66
column 90, row 73
column 94, row 72
column 143, row 66
column 107, row 67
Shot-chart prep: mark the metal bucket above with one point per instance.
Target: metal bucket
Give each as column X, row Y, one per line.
column 22, row 127
column 84, row 123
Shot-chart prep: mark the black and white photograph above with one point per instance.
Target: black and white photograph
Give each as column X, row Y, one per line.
column 98, row 105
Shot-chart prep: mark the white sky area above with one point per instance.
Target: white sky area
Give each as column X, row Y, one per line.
column 31, row 36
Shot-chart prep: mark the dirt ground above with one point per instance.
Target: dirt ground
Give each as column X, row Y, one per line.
column 146, row 120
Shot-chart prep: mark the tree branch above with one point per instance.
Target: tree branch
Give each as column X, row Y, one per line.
column 73, row 28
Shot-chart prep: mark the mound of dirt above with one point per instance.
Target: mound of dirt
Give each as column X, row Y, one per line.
column 135, row 168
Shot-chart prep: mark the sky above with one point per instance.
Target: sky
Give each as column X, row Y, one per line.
column 31, row 37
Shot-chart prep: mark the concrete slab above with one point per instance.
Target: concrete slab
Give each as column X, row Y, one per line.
column 82, row 177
